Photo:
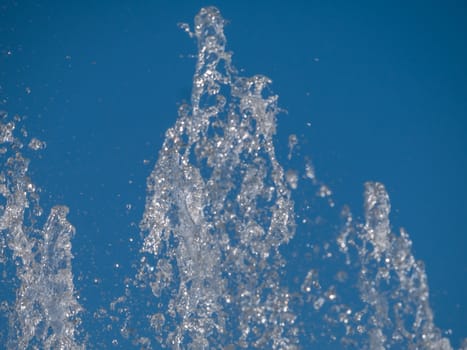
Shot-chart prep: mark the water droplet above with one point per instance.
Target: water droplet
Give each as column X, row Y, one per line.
column 36, row 144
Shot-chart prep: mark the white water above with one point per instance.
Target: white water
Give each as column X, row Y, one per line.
column 219, row 227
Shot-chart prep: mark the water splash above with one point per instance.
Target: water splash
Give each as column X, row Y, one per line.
column 218, row 210
column 36, row 262
column 221, row 239
column 392, row 284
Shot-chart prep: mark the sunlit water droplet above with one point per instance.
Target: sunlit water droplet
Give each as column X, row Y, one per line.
column 36, row 144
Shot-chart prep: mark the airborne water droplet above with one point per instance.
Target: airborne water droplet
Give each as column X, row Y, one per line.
column 36, row 144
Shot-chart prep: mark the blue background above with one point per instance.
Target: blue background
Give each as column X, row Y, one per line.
column 383, row 84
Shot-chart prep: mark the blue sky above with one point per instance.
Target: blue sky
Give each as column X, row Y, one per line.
column 383, row 84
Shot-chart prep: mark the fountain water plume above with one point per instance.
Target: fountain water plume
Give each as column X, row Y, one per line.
column 46, row 312
column 218, row 210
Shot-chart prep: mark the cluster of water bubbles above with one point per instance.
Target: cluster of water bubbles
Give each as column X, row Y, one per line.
column 219, row 227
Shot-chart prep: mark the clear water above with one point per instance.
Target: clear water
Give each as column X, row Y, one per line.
column 237, row 252
column 36, row 257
